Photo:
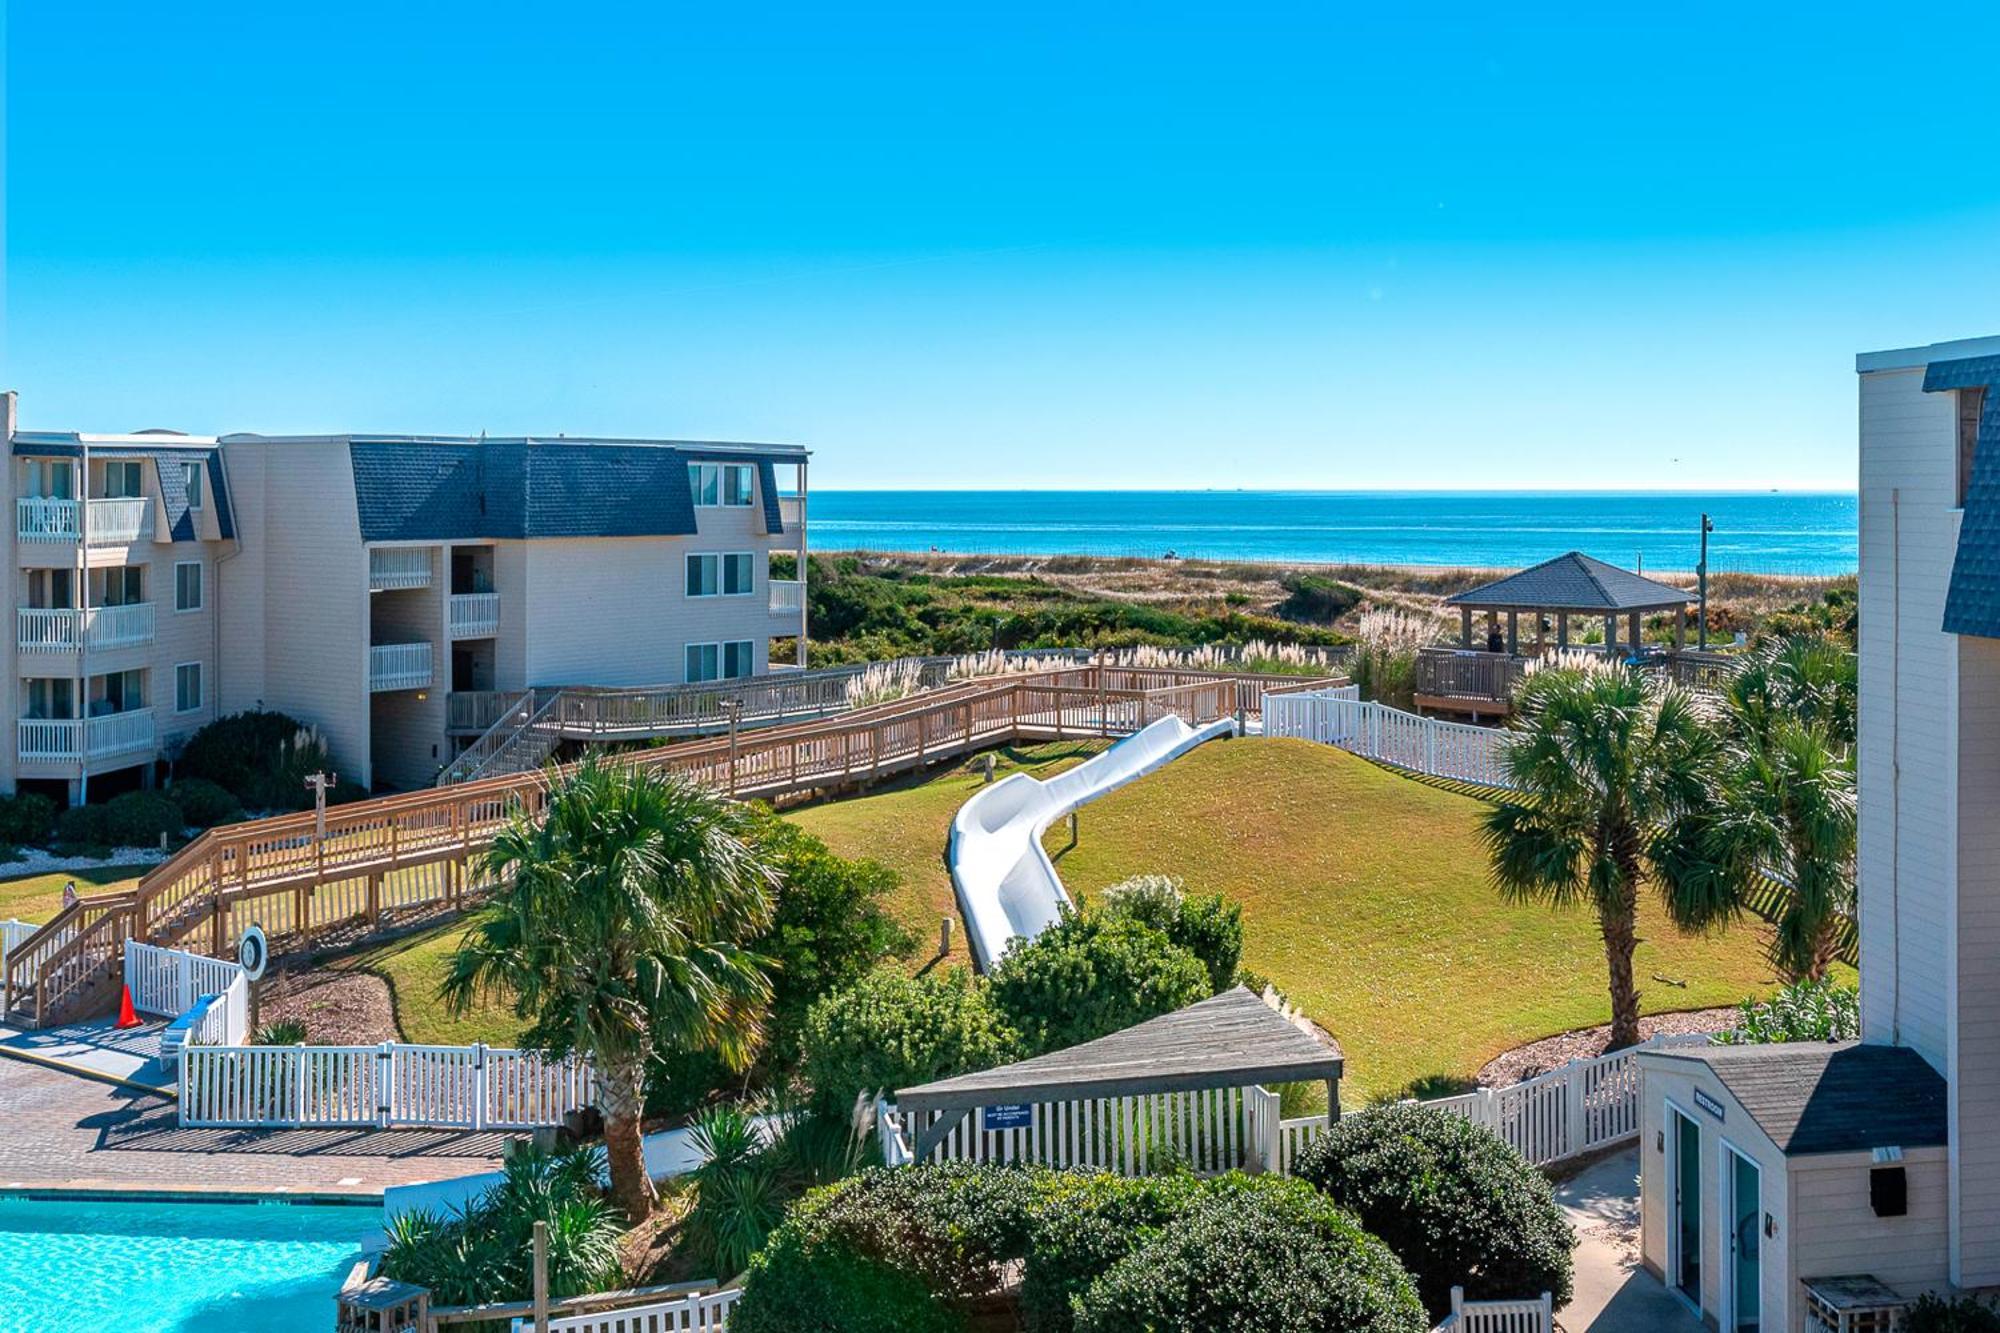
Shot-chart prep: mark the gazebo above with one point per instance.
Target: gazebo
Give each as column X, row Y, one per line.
column 1186, row 1087
column 1478, row 676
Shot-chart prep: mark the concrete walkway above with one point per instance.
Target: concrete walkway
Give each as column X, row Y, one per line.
column 96, row 1049
column 1613, row 1293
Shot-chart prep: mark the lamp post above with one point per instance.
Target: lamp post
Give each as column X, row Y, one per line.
column 1701, row 579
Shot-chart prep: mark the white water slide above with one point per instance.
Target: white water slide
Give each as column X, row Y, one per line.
column 1007, row 887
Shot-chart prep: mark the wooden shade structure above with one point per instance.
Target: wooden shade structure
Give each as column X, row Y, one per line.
column 1570, row 584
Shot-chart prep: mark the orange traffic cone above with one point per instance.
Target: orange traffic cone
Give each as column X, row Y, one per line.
column 127, row 1016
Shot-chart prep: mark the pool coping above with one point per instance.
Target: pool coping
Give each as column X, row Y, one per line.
column 112, row 1191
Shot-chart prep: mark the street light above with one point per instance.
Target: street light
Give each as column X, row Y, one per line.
column 1701, row 578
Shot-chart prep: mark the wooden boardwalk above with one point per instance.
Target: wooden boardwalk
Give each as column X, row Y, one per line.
column 422, row 850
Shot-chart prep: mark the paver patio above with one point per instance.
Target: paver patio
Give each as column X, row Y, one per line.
column 74, row 1133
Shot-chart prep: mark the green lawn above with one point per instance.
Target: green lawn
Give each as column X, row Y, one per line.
column 1365, row 897
column 37, row 897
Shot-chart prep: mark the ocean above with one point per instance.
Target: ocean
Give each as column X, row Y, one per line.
column 1767, row 532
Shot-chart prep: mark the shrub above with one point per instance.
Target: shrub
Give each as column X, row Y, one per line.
column 1082, row 1224
column 281, row 1032
column 485, row 1253
column 1086, row 976
column 892, row 1031
column 1803, row 1011
column 1931, row 1313
column 28, row 818
column 83, row 826
column 260, row 757
column 739, row 1198
column 1315, row 597
column 139, row 818
column 1210, row 927
column 829, row 930
column 204, row 804
column 1259, row 1255
column 1451, row 1199
column 888, row 1250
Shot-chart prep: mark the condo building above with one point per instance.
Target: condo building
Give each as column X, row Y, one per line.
column 390, row 591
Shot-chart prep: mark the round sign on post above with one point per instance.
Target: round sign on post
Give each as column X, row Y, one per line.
column 252, row 953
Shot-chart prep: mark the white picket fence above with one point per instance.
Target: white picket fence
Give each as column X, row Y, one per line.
column 12, row 932
column 385, row 1086
column 1537, row 1316
column 1455, row 750
column 168, row 981
column 706, row 1312
column 1209, row 1131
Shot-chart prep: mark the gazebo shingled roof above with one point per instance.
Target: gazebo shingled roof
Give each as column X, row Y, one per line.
column 1231, row 1040
column 1572, row 582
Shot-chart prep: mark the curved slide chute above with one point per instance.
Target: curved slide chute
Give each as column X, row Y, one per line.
column 1007, row 887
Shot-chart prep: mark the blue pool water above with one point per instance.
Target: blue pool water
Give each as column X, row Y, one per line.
column 175, row 1267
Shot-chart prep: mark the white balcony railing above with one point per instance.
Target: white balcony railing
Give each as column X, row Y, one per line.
column 399, row 666
column 120, row 522
column 112, row 522
column 53, row 629
column 113, row 733
column 473, row 615
column 788, row 596
column 395, row 567
column 42, row 519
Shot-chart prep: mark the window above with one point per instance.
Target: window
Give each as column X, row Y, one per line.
column 123, row 480
column 50, row 697
column 1971, row 402
column 120, row 585
column 187, row 585
column 50, row 588
column 721, row 661
column 191, row 479
column 730, row 575
column 47, row 479
column 117, row 692
column 721, row 483
column 187, row 687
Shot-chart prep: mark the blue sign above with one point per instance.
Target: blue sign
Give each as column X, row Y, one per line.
column 1008, row 1117
column 1708, row 1104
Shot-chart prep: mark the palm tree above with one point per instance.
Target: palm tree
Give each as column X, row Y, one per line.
column 1783, row 800
column 1601, row 761
column 617, row 934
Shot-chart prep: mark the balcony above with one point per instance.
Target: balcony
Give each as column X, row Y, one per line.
column 473, row 615
column 399, row 666
column 112, row 522
column 788, row 596
column 792, row 512
column 114, row 733
column 395, row 567
column 54, row 629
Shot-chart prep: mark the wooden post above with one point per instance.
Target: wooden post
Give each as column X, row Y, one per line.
column 374, row 899
column 1637, row 638
column 1513, row 633
column 1610, row 634
column 1465, row 627
column 541, row 1277
column 1562, row 629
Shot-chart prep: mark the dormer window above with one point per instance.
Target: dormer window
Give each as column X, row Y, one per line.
column 1971, row 403
column 721, row 484
column 191, row 478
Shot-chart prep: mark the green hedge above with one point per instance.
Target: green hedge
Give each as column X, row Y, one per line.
column 1452, row 1199
column 1089, row 975
column 893, row 1031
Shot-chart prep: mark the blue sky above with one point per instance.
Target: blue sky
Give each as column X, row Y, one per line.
column 1331, row 245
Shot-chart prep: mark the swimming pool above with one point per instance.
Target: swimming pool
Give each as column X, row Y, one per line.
column 153, row 1267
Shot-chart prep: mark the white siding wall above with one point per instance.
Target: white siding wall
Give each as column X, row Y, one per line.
column 1909, row 532
column 615, row 611
column 1838, row 1232
column 307, row 619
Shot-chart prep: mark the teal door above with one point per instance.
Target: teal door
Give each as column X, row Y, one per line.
column 1687, row 1207
column 1746, row 1276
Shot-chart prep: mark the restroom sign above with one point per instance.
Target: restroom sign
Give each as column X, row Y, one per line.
column 1015, row 1116
column 1708, row 1104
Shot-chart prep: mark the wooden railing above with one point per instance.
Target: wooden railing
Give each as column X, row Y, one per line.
column 423, row 849
column 478, row 710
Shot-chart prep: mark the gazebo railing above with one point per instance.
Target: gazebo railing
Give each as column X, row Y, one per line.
column 1207, row 1131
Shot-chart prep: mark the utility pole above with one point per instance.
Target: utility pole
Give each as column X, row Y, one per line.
column 1701, row 578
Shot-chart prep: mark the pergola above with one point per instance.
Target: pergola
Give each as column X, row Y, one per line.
column 1573, row 584
column 1232, row 1040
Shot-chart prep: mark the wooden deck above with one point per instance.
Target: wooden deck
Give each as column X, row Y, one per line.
column 422, row 850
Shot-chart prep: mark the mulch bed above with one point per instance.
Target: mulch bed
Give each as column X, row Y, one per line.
column 338, row 1008
column 1538, row 1057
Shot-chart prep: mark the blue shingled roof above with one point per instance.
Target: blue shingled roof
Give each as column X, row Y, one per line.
column 416, row 490
column 1972, row 606
column 1572, row 581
